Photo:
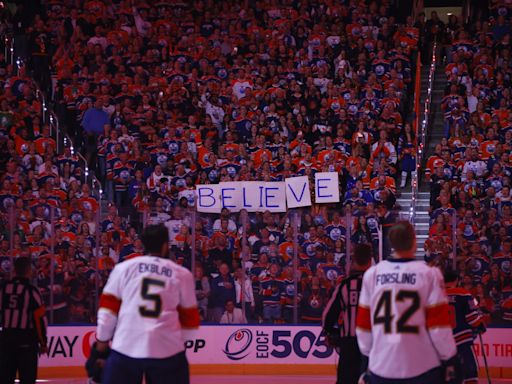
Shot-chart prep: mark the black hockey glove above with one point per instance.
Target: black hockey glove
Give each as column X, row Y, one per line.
column 452, row 371
column 365, row 376
column 332, row 337
column 95, row 362
column 481, row 329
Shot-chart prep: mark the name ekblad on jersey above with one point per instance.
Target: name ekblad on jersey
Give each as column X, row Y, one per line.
column 396, row 278
column 153, row 268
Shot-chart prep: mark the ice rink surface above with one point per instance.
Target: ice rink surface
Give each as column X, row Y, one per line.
column 219, row 379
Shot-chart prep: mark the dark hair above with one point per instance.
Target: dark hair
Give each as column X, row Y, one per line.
column 153, row 237
column 362, row 254
column 402, row 236
column 450, row 276
column 22, row 265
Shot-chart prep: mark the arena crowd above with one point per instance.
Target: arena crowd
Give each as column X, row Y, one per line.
column 161, row 97
column 470, row 171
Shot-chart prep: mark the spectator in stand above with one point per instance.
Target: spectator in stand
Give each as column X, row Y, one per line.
column 271, row 291
column 313, row 303
column 232, row 315
column 202, row 291
column 244, row 294
column 222, row 290
column 93, row 125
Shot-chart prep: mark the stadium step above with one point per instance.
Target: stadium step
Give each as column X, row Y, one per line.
column 408, row 195
column 422, row 218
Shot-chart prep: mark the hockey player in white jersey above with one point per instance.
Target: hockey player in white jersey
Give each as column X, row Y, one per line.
column 403, row 322
column 144, row 306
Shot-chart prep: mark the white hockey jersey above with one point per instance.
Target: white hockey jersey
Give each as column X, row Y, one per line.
column 144, row 306
column 403, row 322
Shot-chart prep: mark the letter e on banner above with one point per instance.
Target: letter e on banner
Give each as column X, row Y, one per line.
column 208, row 198
column 327, row 187
column 297, row 192
column 275, row 197
column 231, row 196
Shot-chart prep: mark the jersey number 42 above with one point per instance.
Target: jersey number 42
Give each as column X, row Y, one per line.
column 383, row 311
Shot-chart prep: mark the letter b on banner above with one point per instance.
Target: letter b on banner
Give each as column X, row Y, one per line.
column 208, row 198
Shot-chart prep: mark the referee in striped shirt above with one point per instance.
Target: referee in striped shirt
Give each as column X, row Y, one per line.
column 339, row 317
column 22, row 326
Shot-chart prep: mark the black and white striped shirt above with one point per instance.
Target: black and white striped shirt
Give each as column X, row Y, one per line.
column 341, row 310
column 22, row 309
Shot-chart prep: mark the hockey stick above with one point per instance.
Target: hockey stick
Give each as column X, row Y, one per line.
column 485, row 358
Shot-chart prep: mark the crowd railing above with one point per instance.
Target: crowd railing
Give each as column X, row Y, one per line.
column 312, row 253
column 422, row 130
column 8, row 48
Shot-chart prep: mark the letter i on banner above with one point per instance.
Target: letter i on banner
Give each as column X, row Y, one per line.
column 327, row 188
column 208, row 198
column 297, row 192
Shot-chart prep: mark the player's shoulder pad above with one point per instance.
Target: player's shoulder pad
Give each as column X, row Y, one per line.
column 434, row 271
column 372, row 269
column 368, row 275
column 177, row 268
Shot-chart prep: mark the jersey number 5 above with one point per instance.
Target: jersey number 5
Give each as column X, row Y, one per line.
column 383, row 312
column 13, row 301
column 144, row 311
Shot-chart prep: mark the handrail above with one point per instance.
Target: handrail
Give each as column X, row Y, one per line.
column 422, row 134
column 466, row 11
column 94, row 182
column 8, row 48
column 49, row 117
column 53, row 125
column 416, row 124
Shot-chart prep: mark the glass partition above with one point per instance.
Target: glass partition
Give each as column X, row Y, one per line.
column 273, row 267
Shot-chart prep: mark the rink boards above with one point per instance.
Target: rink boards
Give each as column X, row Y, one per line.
column 245, row 349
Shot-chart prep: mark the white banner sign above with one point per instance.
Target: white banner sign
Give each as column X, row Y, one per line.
column 208, row 198
column 254, row 196
column 245, row 344
column 297, row 192
column 327, row 187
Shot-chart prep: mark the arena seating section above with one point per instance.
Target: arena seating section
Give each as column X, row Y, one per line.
column 202, row 92
column 471, row 169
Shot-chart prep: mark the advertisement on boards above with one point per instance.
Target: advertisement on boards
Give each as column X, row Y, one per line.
column 246, row 344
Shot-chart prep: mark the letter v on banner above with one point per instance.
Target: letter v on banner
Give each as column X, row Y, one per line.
column 297, row 192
